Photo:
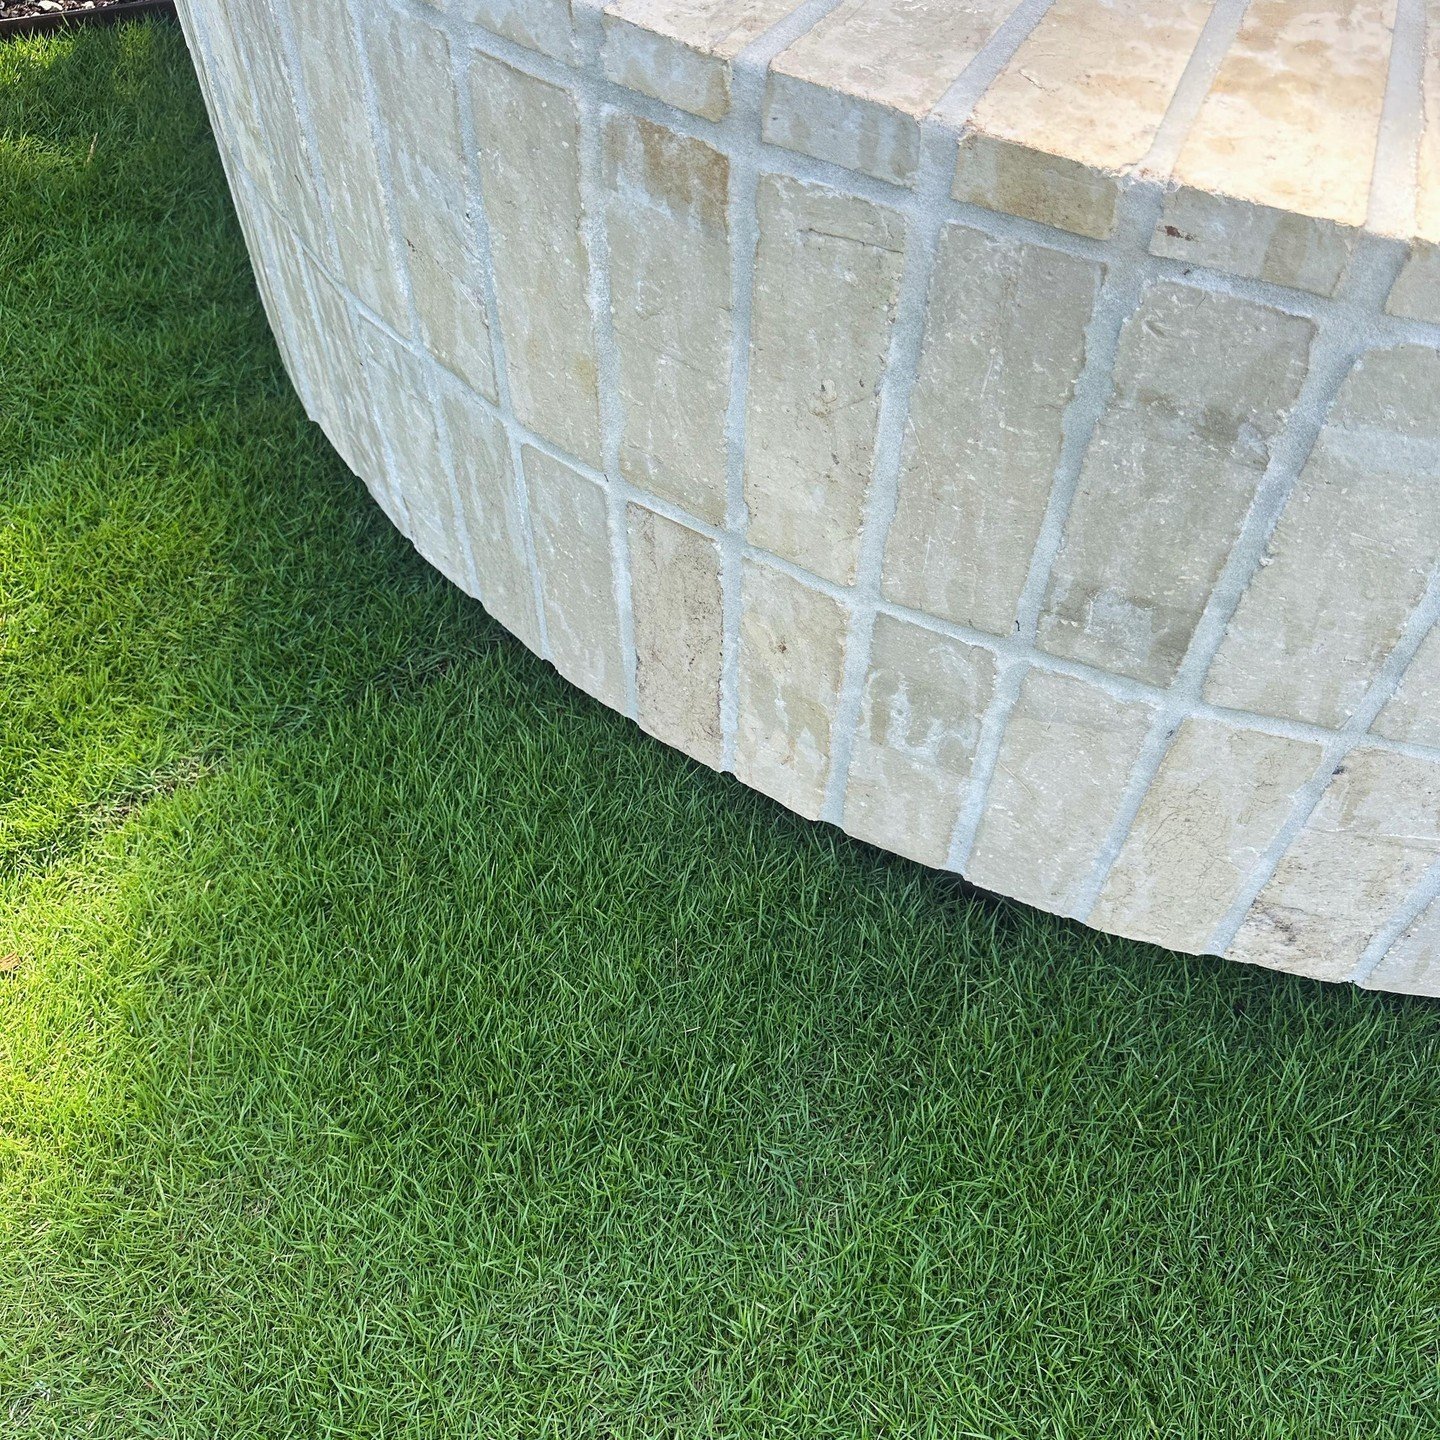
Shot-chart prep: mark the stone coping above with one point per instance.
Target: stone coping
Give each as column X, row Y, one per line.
column 1009, row 431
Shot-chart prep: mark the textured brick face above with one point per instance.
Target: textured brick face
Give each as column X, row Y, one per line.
column 827, row 278
column 792, row 641
column 1007, row 430
column 1059, row 782
column 678, row 625
column 1004, row 346
column 670, row 293
column 1203, row 384
column 528, row 134
column 426, row 160
column 920, row 715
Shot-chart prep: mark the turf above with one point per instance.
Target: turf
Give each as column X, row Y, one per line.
column 392, row 1042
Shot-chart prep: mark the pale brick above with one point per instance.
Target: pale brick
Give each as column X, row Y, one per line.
column 1412, row 965
column 1291, row 121
column 543, row 25
column 339, row 389
column 280, row 163
column 920, row 714
column 395, row 386
column 1375, row 832
column 528, row 133
column 1004, row 345
column 1351, row 554
column 426, row 160
column 679, row 625
column 1203, row 384
column 853, row 89
column 792, row 656
column 826, row 284
column 1416, row 292
column 485, row 482
column 1414, row 712
column 577, row 578
column 1076, row 109
column 276, row 260
column 670, row 296
column 1217, row 803
column 1256, row 241
column 1058, row 785
column 681, row 51
column 334, row 79
column 1427, row 207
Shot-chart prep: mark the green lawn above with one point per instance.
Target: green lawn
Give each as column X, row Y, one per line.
column 393, row 1042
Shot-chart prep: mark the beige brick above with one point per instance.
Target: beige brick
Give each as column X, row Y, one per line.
column 1255, row 241
column 395, row 386
column 1351, row 554
column 1004, row 345
column 426, row 159
column 281, row 165
column 334, row 80
column 276, row 258
column 1058, row 785
column 920, row 713
column 1219, row 799
column 826, row 284
column 680, row 51
column 543, row 25
column 1427, row 206
column 1373, row 835
column 679, row 624
column 1203, row 384
column 854, row 88
column 1076, row 109
column 1291, row 119
column 1412, row 965
column 577, row 578
column 339, row 389
column 1414, row 712
column 792, row 655
column 670, row 295
column 485, row 482
column 1416, row 292
column 528, row 133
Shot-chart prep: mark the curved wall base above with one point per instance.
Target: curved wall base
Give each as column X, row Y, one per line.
column 1066, row 528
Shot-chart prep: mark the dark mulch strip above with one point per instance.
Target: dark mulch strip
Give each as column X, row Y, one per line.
column 27, row 17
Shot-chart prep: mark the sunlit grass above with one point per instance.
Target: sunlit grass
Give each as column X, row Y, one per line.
column 393, row 1042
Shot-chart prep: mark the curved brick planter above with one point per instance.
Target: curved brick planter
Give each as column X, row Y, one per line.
column 1007, row 430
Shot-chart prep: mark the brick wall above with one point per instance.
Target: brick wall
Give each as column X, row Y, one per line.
column 1009, row 431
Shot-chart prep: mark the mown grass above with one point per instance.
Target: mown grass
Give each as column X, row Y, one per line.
column 393, row 1042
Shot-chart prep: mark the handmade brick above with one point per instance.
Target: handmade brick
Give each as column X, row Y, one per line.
column 855, row 87
column 485, row 482
column 1375, row 832
column 1203, row 384
column 577, row 579
column 1351, row 554
column 676, row 595
column 1004, row 345
column 921, row 710
column 792, row 656
column 670, row 296
column 1216, row 804
column 426, row 161
column 827, row 280
column 528, row 133
column 1076, row 109
column 1059, row 781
